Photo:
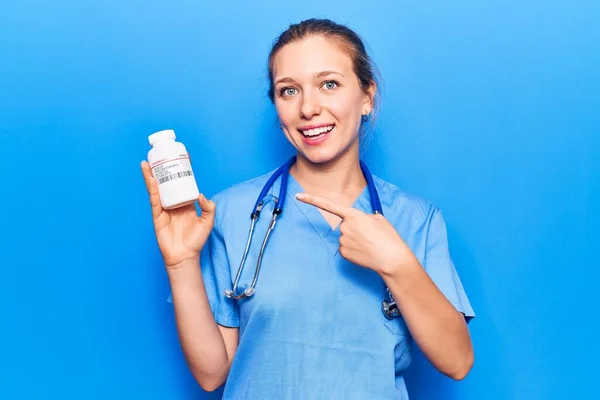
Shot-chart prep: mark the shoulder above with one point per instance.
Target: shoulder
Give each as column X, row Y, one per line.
column 242, row 189
column 400, row 204
column 240, row 197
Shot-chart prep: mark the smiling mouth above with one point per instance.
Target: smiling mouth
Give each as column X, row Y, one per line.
column 316, row 132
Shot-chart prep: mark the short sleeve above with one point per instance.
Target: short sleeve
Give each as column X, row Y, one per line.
column 217, row 277
column 440, row 267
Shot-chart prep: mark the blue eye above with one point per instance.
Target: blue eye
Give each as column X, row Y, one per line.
column 330, row 85
column 287, row 91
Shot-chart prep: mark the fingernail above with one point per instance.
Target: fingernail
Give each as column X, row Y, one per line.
column 300, row 196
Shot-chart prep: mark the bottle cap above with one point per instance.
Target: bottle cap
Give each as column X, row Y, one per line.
column 161, row 135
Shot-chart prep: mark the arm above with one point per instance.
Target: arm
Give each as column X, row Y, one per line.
column 437, row 328
column 420, row 293
column 208, row 348
column 181, row 235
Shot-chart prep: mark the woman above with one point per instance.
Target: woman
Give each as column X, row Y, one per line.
column 314, row 328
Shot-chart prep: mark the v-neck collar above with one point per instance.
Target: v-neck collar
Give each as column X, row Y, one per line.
column 329, row 236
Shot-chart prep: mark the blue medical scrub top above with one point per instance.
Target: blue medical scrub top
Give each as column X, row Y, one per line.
column 314, row 329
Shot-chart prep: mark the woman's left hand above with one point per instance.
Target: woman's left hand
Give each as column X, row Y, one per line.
column 368, row 240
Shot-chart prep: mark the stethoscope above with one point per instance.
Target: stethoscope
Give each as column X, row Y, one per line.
column 389, row 306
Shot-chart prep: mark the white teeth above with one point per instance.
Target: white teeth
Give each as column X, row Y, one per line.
column 317, row 131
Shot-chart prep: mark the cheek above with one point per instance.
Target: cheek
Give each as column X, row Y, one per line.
column 287, row 116
column 286, row 112
column 347, row 110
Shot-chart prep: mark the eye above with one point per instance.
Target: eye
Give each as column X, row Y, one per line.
column 330, row 85
column 287, row 91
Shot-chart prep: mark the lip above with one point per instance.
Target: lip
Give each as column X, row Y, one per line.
column 319, row 140
column 307, row 127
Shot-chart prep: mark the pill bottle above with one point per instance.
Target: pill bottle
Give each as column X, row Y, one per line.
column 172, row 170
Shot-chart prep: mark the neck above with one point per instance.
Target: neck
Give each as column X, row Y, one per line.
column 341, row 178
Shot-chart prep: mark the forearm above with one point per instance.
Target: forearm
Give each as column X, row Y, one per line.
column 200, row 337
column 436, row 326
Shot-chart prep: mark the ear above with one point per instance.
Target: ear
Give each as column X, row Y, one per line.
column 369, row 102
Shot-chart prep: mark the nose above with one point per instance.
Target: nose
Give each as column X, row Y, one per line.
column 310, row 106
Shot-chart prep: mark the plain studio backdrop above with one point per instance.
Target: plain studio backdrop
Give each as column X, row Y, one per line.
column 490, row 111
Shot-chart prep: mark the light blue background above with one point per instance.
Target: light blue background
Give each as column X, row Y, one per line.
column 491, row 110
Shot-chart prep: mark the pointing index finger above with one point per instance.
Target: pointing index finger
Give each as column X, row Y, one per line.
column 325, row 204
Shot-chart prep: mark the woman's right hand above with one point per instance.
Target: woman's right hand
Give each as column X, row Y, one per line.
column 180, row 233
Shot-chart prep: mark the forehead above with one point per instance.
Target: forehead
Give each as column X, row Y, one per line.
column 305, row 57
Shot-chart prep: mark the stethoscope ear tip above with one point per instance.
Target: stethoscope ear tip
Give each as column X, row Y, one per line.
column 230, row 294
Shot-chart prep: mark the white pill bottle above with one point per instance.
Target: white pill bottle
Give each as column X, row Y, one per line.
column 171, row 167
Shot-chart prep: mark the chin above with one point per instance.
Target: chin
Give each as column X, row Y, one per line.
column 319, row 156
column 323, row 149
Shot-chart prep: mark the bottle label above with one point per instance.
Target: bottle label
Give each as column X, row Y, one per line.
column 165, row 170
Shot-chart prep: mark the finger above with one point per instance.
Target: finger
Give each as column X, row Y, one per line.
column 146, row 173
column 208, row 207
column 343, row 228
column 152, row 188
column 325, row 204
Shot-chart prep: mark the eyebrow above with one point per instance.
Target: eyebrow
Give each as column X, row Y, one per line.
column 318, row 75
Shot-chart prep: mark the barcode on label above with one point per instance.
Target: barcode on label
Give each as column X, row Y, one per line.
column 174, row 176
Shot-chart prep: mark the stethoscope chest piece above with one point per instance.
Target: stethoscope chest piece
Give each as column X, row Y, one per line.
column 390, row 309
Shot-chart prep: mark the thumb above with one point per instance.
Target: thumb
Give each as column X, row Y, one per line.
column 207, row 206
